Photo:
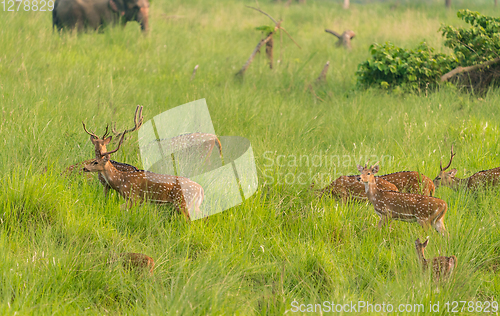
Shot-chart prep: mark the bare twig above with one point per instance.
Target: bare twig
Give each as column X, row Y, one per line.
column 290, row 37
column 257, row 48
column 263, row 13
column 194, row 72
column 322, row 76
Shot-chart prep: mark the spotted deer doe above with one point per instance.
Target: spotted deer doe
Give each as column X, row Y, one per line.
column 425, row 210
column 442, row 267
column 139, row 185
column 483, row 178
column 345, row 187
column 411, row 182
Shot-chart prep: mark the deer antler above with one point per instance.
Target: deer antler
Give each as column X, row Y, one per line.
column 119, row 145
column 449, row 164
column 91, row 134
column 138, row 120
column 105, row 133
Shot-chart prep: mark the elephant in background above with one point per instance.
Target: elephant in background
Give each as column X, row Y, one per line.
column 94, row 14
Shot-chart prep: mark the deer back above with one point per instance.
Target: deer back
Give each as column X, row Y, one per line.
column 349, row 186
column 411, row 182
column 443, row 266
column 490, row 177
column 408, row 206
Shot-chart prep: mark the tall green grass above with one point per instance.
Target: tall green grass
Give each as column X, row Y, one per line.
column 282, row 244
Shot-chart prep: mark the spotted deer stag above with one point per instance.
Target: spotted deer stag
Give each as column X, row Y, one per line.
column 442, row 267
column 100, row 148
column 479, row 179
column 411, row 182
column 425, row 210
column 345, row 187
column 137, row 186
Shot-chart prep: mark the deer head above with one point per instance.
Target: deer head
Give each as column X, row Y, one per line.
column 446, row 178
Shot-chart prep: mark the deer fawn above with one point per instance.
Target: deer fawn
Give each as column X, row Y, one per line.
column 425, row 210
column 489, row 177
column 346, row 187
column 442, row 266
column 411, row 182
column 132, row 260
column 140, row 185
column 101, row 143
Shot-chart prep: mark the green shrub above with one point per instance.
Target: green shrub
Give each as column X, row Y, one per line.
column 392, row 66
column 477, row 44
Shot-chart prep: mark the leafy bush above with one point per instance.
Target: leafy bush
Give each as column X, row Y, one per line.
column 479, row 43
column 420, row 68
column 392, row 66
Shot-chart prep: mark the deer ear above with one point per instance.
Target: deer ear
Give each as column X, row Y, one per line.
column 453, row 172
column 425, row 243
column 375, row 169
column 107, row 140
column 360, row 168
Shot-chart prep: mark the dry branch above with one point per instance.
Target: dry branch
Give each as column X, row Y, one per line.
column 322, row 76
column 477, row 78
column 249, row 61
column 344, row 38
column 460, row 69
column 194, row 72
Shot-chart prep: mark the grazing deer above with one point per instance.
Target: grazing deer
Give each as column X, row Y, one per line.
column 346, row 187
column 100, row 148
column 132, row 260
column 442, row 266
column 411, row 182
column 483, row 178
column 425, row 210
column 138, row 186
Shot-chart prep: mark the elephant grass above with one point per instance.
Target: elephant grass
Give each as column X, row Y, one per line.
column 283, row 244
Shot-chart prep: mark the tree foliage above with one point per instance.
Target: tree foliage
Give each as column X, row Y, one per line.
column 414, row 69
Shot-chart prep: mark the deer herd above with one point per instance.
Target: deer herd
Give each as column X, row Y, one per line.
column 406, row 196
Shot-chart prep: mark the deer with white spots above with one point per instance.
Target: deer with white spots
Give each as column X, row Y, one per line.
column 442, row 266
column 100, row 148
column 425, row 210
column 101, row 143
column 139, row 186
column 411, row 182
column 479, row 179
column 345, row 187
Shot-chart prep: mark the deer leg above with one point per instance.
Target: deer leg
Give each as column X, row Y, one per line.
column 383, row 221
column 439, row 226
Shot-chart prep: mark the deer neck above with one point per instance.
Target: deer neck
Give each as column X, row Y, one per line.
column 371, row 189
column 112, row 176
column 422, row 259
column 457, row 183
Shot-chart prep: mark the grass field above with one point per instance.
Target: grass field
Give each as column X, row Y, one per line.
column 281, row 246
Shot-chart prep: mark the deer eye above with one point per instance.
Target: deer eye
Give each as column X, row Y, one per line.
column 369, row 173
column 438, row 178
column 94, row 163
